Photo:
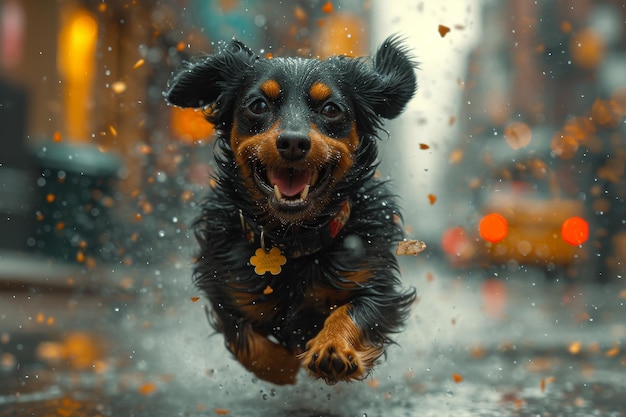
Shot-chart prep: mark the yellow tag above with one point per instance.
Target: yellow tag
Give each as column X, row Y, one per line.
column 268, row 261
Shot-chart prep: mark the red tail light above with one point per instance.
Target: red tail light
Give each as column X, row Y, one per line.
column 575, row 231
column 454, row 240
column 493, row 227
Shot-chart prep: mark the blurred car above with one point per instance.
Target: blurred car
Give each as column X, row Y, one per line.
column 521, row 227
column 523, row 219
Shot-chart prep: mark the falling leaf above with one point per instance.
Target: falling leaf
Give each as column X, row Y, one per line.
column 544, row 381
column 566, row 27
column 457, row 378
column 607, row 113
column 300, row 14
column 194, row 299
column 574, row 348
column 424, row 146
column 443, row 30
column 587, row 48
column 432, row 199
column 564, row 145
column 373, row 383
column 517, row 135
column 328, row 7
column 140, row 63
column 478, row 352
column 268, row 290
column 410, row 247
column 221, row 411
column 456, row 156
column 56, row 137
column 147, row 388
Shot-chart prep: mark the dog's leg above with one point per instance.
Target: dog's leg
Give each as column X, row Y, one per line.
column 267, row 360
column 339, row 351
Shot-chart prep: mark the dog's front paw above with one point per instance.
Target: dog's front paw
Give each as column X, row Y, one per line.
column 333, row 360
column 339, row 351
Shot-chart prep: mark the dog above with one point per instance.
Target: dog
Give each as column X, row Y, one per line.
column 295, row 235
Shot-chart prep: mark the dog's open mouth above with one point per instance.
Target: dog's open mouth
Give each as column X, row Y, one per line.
column 292, row 188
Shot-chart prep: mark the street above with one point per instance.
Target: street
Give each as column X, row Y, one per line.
column 514, row 345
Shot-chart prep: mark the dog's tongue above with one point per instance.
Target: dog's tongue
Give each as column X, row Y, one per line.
column 290, row 182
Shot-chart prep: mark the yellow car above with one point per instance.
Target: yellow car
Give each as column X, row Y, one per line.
column 517, row 226
column 530, row 231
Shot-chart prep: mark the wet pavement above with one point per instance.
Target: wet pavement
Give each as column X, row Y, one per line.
column 135, row 342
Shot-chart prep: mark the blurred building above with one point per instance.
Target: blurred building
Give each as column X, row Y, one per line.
column 96, row 166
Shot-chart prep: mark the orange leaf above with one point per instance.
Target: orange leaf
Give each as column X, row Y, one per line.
column 147, row 388
column 443, row 30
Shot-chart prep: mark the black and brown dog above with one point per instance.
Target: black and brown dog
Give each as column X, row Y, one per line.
column 295, row 237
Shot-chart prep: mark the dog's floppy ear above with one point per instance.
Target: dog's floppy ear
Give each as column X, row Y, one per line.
column 396, row 81
column 382, row 86
column 203, row 83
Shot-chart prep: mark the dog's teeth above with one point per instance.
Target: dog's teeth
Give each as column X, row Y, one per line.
column 277, row 193
column 305, row 192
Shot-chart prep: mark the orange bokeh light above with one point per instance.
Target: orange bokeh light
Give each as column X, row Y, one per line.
column 575, row 231
column 517, row 135
column 493, row 227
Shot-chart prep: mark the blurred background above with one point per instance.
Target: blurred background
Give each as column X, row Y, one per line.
column 509, row 164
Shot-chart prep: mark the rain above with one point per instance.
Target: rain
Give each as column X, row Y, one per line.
column 508, row 165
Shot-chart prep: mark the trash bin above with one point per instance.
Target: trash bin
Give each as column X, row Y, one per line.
column 75, row 199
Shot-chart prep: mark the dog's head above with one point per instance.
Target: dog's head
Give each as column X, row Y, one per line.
column 295, row 126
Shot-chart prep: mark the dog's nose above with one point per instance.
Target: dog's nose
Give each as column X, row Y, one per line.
column 293, row 145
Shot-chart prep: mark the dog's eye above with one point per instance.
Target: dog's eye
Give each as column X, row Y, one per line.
column 258, row 106
column 330, row 111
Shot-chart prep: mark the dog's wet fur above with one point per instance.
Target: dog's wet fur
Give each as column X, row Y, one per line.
column 296, row 156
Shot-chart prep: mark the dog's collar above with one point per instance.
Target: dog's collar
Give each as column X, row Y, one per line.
column 296, row 242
